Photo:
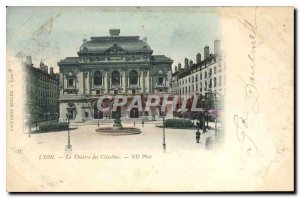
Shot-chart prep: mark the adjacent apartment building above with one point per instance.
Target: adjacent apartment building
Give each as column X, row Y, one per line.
column 205, row 75
column 41, row 91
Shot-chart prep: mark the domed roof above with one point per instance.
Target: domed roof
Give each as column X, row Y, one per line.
column 103, row 44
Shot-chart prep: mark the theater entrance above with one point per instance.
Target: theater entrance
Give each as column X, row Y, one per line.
column 134, row 113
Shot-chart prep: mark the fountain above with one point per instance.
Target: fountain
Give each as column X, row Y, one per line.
column 117, row 122
column 118, row 129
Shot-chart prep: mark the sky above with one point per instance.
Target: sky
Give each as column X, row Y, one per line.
column 53, row 33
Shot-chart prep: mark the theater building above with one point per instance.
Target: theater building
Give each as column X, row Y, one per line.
column 110, row 65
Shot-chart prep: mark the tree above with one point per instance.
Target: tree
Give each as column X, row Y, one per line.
column 208, row 103
column 34, row 111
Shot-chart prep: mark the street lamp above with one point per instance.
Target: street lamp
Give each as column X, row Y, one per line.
column 198, row 131
column 98, row 112
column 203, row 114
column 133, row 117
column 68, row 146
column 215, row 107
column 164, row 134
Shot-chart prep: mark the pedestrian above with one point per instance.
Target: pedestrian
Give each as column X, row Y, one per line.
column 142, row 123
column 198, row 136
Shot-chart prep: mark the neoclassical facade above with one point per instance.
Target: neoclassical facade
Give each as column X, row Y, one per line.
column 110, row 65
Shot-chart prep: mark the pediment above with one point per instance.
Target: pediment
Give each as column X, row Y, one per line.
column 116, row 50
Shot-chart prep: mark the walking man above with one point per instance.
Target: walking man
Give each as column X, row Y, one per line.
column 198, row 136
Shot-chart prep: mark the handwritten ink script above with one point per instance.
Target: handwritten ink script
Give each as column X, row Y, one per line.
column 251, row 94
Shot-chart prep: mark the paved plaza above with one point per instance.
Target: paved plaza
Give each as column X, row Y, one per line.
column 136, row 159
column 84, row 137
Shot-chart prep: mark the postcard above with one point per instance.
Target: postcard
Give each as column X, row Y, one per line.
column 150, row 99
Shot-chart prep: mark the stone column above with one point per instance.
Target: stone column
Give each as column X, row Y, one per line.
column 89, row 82
column 139, row 79
column 150, row 84
column 81, row 83
column 65, row 84
column 61, row 83
column 84, row 82
column 78, row 113
column 75, row 81
column 107, row 81
column 92, row 82
column 143, row 84
column 124, row 81
column 147, row 86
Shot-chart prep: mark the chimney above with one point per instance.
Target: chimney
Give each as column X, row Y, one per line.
column 114, row 32
column 198, row 58
column 191, row 63
column 175, row 68
column 186, row 62
column 217, row 47
column 51, row 70
column 42, row 65
column 84, row 40
column 206, row 52
column 46, row 68
column 179, row 66
column 28, row 61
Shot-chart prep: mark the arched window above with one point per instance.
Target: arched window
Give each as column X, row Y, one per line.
column 160, row 80
column 97, row 78
column 70, row 82
column 133, row 77
column 115, row 78
column 70, row 78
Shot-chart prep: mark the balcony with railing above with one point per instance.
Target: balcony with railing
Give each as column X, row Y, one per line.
column 97, row 87
column 133, row 86
column 115, row 86
column 71, row 90
column 159, row 85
